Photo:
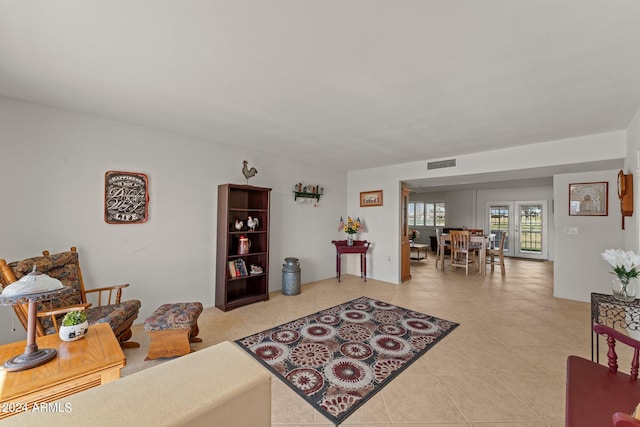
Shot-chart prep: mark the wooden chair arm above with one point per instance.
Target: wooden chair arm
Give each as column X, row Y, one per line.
column 67, row 309
column 110, row 290
column 612, row 337
column 601, row 329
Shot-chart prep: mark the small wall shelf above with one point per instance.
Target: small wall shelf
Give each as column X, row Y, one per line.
column 306, row 195
column 301, row 191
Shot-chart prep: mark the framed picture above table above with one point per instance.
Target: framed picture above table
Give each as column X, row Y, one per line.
column 589, row 199
column 370, row 198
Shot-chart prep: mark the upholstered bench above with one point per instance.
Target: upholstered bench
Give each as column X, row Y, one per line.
column 172, row 327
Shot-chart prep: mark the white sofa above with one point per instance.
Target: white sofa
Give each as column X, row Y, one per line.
column 216, row 386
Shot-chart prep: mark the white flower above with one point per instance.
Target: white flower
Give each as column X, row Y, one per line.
column 625, row 264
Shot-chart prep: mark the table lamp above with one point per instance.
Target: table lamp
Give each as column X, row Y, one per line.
column 32, row 288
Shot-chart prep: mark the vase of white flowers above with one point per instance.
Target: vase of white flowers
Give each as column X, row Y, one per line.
column 626, row 268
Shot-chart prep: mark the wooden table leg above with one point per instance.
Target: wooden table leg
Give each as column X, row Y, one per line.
column 483, row 257
column 363, row 262
column 442, row 251
column 338, row 266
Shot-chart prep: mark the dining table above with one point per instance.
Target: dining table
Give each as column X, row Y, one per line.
column 484, row 240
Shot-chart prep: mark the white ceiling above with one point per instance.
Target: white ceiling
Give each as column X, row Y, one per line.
column 343, row 84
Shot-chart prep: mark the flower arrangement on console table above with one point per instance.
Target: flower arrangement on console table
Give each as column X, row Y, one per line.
column 352, row 227
column 414, row 234
column 626, row 268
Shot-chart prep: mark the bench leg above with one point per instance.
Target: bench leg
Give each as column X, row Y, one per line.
column 193, row 335
column 169, row 343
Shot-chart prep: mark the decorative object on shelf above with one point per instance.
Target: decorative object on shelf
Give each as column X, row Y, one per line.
column 370, row 198
column 32, row 288
column 626, row 268
column 252, row 223
column 588, row 199
column 414, row 234
column 74, row 326
column 238, row 224
column 303, row 192
column 248, row 173
column 126, row 197
column 625, row 194
column 243, row 245
column 352, row 227
column 255, row 269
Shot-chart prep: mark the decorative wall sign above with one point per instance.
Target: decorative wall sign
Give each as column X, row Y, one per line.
column 126, row 197
column 588, row 199
column 371, row 198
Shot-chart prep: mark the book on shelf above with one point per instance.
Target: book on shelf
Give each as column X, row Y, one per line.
column 238, row 268
column 241, row 267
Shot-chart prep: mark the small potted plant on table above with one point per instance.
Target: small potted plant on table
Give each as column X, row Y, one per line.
column 74, row 326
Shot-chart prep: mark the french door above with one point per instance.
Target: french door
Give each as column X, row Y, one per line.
column 525, row 223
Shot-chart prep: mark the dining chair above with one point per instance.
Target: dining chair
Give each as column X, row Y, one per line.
column 498, row 252
column 462, row 254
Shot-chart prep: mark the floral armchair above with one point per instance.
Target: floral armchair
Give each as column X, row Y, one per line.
column 65, row 266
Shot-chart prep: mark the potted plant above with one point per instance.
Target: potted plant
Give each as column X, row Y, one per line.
column 74, row 326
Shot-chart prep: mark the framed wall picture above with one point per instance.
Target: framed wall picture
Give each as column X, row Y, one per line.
column 126, row 197
column 589, row 199
column 371, row 198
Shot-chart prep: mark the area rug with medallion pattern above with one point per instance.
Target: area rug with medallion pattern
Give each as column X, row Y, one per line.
column 338, row 358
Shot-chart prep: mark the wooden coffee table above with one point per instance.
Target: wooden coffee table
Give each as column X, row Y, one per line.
column 89, row 362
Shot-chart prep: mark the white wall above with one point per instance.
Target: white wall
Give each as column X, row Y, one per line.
column 385, row 229
column 459, row 209
column 632, row 165
column 53, row 166
column 579, row 268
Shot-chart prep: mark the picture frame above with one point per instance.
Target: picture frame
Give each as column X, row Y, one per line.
column 126, row 197
column 589, row 199
column 370, row 198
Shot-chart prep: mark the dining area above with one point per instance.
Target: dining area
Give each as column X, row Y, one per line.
column 470, row 249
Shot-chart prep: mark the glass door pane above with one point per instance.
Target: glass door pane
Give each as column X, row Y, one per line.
column 499, row 222
column 531, row 229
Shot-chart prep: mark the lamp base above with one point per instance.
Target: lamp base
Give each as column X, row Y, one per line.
column 25, row 361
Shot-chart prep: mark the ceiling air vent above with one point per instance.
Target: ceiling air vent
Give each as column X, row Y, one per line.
column 441, row 164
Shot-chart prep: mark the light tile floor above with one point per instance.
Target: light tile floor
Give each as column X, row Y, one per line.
column 503, row 366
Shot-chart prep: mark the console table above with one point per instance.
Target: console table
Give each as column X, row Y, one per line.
column 614, row 313
column 88, row 362
column 359, row 247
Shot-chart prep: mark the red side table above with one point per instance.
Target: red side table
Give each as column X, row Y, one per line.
column 359, row 247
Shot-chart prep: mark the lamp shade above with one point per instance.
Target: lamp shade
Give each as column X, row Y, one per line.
column 32, row 283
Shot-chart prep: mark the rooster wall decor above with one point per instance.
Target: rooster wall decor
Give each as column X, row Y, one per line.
column 248, row 173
